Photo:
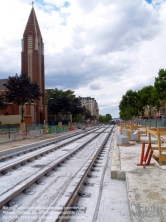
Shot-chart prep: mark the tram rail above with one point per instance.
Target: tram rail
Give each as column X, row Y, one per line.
column 72, row 202
column 13, row 163
column 8, row 196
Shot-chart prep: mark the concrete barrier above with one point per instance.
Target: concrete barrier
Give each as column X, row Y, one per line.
column 121, row 140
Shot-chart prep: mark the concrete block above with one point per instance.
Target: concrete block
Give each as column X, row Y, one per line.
column 114, row 170
column 134, row 136
column 124, row 132
column 121, row 139
column 121, row 175
column 115, row 163
column 113, row 174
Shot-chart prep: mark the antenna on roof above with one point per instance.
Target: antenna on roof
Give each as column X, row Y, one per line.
column 32, row 4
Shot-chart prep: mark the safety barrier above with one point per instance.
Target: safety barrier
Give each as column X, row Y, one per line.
column 160, row 148
column 17, row 135
column 9, row 135
column 146, row 157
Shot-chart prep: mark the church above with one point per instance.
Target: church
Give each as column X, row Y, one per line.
column 32, row 61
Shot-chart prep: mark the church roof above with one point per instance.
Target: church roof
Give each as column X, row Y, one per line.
column 32, row 24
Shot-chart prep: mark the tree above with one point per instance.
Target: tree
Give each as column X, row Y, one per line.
column 59, row 101
column 160, row 84
column 56, row 93
column 64, row 103
column 101, row 119
column 87, row 114
column 105, row 119
column 59, row 105
column 21, row 90
column 3, row 104
column 129, row 105
column 108, row 117
column 160, row 87
column 77, row 110
column 148, row 99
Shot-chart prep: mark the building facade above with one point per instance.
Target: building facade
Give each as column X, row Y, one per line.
column 91, row 105
column 32, row 62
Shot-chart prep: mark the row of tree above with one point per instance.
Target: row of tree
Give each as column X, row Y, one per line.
column 65, row 103
column 20, row 90
column 105, row 119
column 134, row 103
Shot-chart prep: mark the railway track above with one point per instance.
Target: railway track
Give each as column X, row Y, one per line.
column 52, row 193
column 9, row 154
column 21, row 157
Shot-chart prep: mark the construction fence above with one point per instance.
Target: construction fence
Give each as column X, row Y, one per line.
column 11, row 134
column 151, row 122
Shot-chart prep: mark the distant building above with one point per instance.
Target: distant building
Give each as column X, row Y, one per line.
column 32, row 61
column 91, row 105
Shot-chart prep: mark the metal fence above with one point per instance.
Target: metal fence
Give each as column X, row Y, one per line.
column 11, row 134
column 151, row 122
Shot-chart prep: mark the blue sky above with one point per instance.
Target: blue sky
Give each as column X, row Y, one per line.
column 98, row 48
column 149, row 1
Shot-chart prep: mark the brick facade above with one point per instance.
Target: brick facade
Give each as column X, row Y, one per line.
column 32, row 61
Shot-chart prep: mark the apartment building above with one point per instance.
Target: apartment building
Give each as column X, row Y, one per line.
column 91, row 105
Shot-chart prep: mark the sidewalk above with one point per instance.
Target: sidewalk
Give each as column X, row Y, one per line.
column 145, row 186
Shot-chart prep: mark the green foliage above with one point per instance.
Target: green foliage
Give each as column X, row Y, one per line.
column 87, row 114
column 59, row 105
column 105, row 119
column 65, row 103
column 21, row 90
column 149, row 97
column 129, row 105
column 56, row 93
column 160, row 85
column 3, row 104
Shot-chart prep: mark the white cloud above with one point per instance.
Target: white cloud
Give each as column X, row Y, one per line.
column 97, row 48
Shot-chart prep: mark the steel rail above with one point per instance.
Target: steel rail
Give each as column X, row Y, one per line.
column 45, row 143
column 33, row 156
column 74, row 197
column 19, row 189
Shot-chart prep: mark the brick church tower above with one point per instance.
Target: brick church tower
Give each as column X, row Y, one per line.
column 32, row 61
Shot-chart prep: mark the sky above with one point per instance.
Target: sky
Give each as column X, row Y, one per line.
column 98, row 48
